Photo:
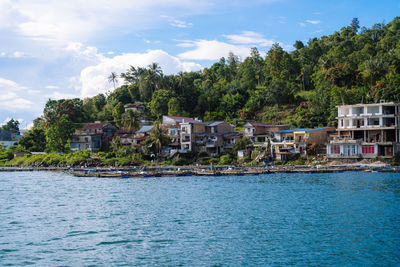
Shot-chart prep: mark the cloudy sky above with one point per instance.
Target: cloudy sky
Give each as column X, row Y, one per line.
column 64, row 49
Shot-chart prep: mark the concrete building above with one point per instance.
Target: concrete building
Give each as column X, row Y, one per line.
column 258, row 133
column 140, row 137
column 366, row 131
column 82, row 141
column 287, row 143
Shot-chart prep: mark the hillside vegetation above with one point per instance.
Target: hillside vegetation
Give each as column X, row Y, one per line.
column 300, row 88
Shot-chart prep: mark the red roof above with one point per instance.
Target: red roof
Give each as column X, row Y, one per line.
column 98, row 126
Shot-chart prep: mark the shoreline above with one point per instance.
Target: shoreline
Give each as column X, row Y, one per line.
column 169, row 171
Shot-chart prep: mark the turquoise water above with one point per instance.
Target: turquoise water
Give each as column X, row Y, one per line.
column 55, row 219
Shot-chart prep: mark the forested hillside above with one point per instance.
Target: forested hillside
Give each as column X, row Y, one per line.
column 300, row 88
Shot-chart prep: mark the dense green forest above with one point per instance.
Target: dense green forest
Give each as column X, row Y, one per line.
column 300, row 88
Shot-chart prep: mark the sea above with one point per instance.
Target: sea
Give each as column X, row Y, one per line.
column 56, row 219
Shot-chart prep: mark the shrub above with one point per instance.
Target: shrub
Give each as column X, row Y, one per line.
column 225, row 159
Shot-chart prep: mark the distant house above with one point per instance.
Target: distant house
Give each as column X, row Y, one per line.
column 174, row 120
column 137, row 107
column 140, row 137
column 208, row 137
column 92, row 136
column 258, row 133
column 106, row 130
column 91, row 142
column 6, row 138
column 287, row 143
column 126, row 136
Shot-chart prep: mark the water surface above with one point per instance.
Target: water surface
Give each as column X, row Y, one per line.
column 55, row 219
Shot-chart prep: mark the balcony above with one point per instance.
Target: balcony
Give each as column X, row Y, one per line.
column 211, row 143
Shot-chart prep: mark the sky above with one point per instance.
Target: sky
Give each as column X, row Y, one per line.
column 66, row 49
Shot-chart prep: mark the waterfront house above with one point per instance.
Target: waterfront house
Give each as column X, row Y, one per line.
column 209, row 137
column 366, row 131
column 288, row 143
column 83, row 141
column 258, row 133
column 140, row 137
column 6, row 138
column 91, row 136
column 106, row 130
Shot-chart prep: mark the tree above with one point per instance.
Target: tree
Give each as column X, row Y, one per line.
column 12, row 125
column 157, row 139
column 34, row 140
column 58, row 134
column 130, row 120
column 117, row 112
column 355, row 24
column 113, row 78
column 298, row 45
column 159, row 103
column 117, row 147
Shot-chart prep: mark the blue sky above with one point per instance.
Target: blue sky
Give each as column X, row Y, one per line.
column 65, row 49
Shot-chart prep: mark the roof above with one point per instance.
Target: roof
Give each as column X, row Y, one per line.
column 290, row 130
column 145, row 129
column 97, row 126
column 180, row 119
column 371, row 104
column 259, row 124
column 215, row 123
column 232, row 135
column 5, row 135
column 320, row 128
column 303, row 130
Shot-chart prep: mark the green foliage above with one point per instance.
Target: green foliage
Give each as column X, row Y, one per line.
column 58, row 135
column 34, row 140
column 12, row 125
column 159, row 103
column 225, row 159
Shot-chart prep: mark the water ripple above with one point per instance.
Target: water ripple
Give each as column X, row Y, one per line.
column 54, row 219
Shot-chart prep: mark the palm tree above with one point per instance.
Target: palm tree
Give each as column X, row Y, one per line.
column 130, row 120
column 113, row 78
column 157, row 139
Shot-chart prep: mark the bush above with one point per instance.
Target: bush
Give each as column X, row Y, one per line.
column 225, row 159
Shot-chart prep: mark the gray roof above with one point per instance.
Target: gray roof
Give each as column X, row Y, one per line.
column 145, row 129
column 215, row 123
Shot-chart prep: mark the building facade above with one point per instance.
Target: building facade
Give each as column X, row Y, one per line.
column 366, row 131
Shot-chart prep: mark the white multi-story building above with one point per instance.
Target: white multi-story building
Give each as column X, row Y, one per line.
column 366, row 131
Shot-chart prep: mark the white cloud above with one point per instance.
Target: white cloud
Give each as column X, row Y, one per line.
column 302, row 24
column 176, row 22
column 313, row 21
column 18, row 54
column 61, row 95
column 51, row 87
column 77, row 20
column 10, row 98
column 249, row 37
column 33, row 92
column 93, row 79
column 213, row 50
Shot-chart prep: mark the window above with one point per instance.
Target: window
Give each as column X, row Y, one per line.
column 335, row 149
column 368, row 149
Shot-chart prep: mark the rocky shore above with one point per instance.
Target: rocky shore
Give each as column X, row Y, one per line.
column 165, row 171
